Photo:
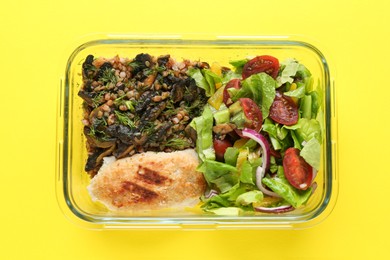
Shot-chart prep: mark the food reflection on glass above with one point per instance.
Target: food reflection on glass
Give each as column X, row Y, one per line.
column 235, row 138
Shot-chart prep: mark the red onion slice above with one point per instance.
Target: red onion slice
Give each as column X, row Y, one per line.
column 211, row 193
column 260, row 171
column 252, row 134
column 280, row 209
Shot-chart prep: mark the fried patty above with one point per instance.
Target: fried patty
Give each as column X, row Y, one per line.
column 149, row 181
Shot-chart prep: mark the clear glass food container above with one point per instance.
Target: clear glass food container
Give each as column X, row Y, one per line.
column 72, row 180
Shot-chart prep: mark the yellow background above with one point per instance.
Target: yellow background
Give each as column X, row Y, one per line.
column 35, row 35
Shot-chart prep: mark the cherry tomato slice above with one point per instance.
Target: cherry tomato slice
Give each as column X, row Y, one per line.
column 253, row 115
column 234, row 83
column 284, row 110
column 220, row 147
column 297, row 171
column 264, row 63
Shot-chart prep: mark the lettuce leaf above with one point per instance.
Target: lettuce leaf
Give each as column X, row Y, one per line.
column 289, row 70
column 311, row 152
column 297, row 93
column 304, row 74
column 203, row 126
column 207, row 81
column 211, row 79
column 307, row 129
column 247, row 198
column 282, row 187
column 240, row 197
column 223, row 175
column 247, row 173
column 238, row 64
column 260, row 88
column 226, row 77
column 231, row 155
column 306, row 106
column 297, row 144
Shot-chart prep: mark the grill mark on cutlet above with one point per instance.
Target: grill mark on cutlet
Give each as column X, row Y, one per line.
column 150, row 176
column 138, row 192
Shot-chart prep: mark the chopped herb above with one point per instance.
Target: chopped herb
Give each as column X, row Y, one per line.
column 178, row 143
column 148, row 72
column 130, row 106
column 149, row 128
column 118, row 101
column 96, row 133
column 134, row 64
column 124, row 119
column 170, row 109
column 109, row 76
column 160, row 68
column 98, row 99
column 194, row 108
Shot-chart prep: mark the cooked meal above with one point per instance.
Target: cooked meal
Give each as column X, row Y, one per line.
column 249, row 135
column 149, row 181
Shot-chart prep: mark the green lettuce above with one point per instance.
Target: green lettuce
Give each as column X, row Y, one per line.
column 307, row 129
column 240, row 196
column 311, row 152
column 297, row 144
column 205, row 79
column 247, row 175
column 222, row 175
column 304, row 74
column 238, row 65
column 317, row 98
column 281, row 137
column 283, row 188
column 297, row 93
column 229, row 75
column 260, row 88
column 306, row 106
column 247, row 198
column 289, row 70
column 203, row 126
column 231, row 155
column 292, row 71
column 211, row 79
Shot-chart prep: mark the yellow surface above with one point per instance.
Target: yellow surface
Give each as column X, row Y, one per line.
column 34, row 35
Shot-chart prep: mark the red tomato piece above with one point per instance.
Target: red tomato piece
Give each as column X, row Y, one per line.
column 220, row 147
column 253, row 115
column 234, row 83
column 264, row 63
column 297, row 171
column 284, row 110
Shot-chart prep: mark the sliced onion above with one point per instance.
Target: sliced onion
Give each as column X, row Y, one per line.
column 261, row 170
column 252, row 134
column 211, row 193
column 280, row 209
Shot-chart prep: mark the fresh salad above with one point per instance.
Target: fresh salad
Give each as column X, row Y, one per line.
column 259, row 136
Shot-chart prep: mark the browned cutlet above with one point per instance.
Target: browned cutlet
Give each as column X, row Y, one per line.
column 149, row 181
